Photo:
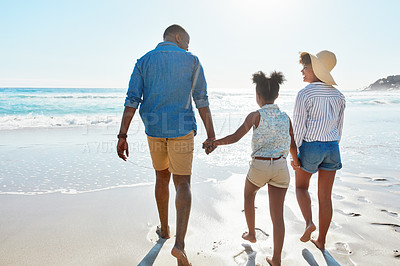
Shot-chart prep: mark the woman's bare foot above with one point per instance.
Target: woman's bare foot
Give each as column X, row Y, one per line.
column 248, row 237
column 272, row 262
column 163, row 234
column 307, row 233
column 180, row 255
column 318, row 244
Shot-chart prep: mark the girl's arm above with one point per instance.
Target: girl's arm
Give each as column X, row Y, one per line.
column 293, row 148
column 253, row 119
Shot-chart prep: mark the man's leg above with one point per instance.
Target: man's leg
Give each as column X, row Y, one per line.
column 162, row 197
column 304, row 201
column 183, row 202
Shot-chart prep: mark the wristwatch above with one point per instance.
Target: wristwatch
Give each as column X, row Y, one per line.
column 122, row 136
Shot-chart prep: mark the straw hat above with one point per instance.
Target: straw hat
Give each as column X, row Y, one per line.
column 322, row 64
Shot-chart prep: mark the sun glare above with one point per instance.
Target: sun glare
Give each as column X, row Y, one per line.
column 264, row 9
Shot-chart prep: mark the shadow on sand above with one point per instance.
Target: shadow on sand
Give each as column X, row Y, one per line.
column 149, row 259
column 308, row 256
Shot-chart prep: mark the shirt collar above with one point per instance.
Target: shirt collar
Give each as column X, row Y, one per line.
column 270, row 106
column 167, row 43
column 318, row 84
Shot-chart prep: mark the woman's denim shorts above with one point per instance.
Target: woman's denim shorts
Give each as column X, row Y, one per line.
column 324, row 155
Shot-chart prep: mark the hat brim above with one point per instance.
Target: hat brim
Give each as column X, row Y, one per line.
column 320, row 70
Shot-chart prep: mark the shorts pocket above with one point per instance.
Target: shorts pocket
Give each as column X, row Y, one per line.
column 311, row 153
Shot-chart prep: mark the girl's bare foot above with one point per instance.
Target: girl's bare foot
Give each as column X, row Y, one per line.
column 272, row 262
column 307, row 233
column 180, row 255
column 163, row 234
column 318, row 244
column 248, row 237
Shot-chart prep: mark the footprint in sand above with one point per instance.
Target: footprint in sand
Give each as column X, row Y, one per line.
column 395, row 226
column 334, row 225
column 363, row 199
column 379, row 179
column 352, row 214
column 246, row 256
column 240, row 258
column 394, row 214
column 337, row 196
column 396, row 253
column 343, row 248
column 261, row 235
column 216, row 245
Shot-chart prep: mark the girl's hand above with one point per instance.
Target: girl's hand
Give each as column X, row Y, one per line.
column 209, row 146
column 295, row 163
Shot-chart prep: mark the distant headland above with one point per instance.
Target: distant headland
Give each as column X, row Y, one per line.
column 385, row 84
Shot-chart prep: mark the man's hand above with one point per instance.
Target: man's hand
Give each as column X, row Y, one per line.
column 209, row 146
column 122, row 147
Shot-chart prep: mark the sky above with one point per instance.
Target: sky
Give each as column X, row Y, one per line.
column 95, row 44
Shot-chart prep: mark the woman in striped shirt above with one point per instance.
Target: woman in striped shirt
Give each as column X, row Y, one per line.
column 317, row 125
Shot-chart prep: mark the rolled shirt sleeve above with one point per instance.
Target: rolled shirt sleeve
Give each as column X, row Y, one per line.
column 199, row 91
column 341, row 119
column 135, row 90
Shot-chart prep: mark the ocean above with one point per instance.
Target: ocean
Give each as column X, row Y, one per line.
column 63, row 140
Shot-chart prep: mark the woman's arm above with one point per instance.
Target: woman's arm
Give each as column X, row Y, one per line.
column 299, row 119
column 251, row 120
column 340, row 120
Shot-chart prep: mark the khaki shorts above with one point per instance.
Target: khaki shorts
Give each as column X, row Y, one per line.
column 174, row 154
column 275, row 173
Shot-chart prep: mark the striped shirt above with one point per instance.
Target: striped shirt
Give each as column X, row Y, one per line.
column 318, row 113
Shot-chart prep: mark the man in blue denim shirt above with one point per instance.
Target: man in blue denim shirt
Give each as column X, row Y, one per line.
column 163, row 83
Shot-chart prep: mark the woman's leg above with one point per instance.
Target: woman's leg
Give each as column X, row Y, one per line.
column 276, row 202
column 304, row 201
column 250, row 191
column 325, row 184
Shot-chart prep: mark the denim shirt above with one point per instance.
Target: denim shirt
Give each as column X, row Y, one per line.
column 163, row 83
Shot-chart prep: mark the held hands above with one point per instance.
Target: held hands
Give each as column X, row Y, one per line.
column 122, row 147
column 209, row 145
column 295, row 163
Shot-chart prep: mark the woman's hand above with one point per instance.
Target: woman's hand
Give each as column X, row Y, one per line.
column 295, row 163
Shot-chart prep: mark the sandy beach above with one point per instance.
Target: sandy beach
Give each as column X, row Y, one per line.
column 116, row 226
column 67, row 199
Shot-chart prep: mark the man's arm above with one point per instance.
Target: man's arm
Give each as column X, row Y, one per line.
column 205, row 115
column 122, row 145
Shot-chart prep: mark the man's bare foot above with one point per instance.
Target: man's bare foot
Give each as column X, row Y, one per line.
column 272, row 262
column 163, row 234
column 307, row 233
column 180, row 255
column 318, row 244
column 248, row 237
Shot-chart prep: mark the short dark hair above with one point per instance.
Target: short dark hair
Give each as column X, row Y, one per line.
column 268, row 87
column 173, row 30
column 305, row 59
